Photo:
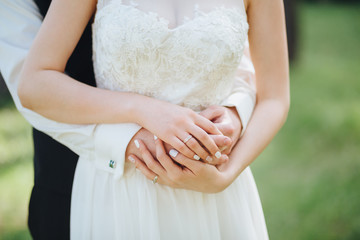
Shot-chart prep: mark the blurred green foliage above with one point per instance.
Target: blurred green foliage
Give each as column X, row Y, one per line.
column 329, row 1
column 308, row 177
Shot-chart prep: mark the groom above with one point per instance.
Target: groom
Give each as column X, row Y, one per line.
column 49, row 208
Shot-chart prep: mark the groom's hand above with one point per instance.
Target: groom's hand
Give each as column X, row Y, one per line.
column 146, row 137
column 227, row 120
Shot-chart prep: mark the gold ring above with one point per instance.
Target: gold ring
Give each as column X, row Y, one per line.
column 187, row 138
column 155, row 179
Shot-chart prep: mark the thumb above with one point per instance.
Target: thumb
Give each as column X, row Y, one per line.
column 222, row 141
column 211, row 113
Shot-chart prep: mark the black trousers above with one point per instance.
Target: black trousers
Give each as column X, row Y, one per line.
column 49, row 214
column 49, row 208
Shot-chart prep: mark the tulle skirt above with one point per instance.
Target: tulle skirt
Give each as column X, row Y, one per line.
column 132, row 207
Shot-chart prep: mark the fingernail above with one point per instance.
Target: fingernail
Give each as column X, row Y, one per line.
column 131, row 159
column 155, row 137
column 137, row 144
column 196, row 157
column 209, row 159
column 173, row 153
column 218, row 154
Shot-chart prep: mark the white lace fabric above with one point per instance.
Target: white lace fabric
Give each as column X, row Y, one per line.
column 188, row 55
column 192, row 64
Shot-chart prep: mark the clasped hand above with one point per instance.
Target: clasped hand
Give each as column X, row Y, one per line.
column 177, row 170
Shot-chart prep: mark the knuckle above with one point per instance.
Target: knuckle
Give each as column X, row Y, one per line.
column 231, row 129
column 203, row 137
column 160, row 155
column 169, row 131
column 182, row 148
column 189, row 112
column 151, row 164
column 192, row 143
column 175, row 178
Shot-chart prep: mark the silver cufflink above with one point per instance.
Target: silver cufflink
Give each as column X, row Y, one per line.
column 112, row 163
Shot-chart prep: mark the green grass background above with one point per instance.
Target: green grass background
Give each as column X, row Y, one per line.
column 308, row 177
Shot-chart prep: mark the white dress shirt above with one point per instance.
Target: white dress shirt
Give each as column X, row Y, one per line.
column 20, row 21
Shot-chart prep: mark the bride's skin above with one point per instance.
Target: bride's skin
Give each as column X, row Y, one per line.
column 43, row 78
column 226, row 119
column 268, row 47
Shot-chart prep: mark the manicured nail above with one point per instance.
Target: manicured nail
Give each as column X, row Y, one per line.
column 209, row 159
column 218, row 154
column 137, row 144
column 196, row 157
column 131, row 159
column 173, row 153
column 155, row 137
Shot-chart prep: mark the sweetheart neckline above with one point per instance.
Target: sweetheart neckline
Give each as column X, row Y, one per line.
column 200, row 13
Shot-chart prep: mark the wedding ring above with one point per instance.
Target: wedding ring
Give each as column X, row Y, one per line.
column 155, row 179
column 187, row 138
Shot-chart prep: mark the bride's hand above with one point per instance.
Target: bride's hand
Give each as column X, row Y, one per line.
column 182, row 128
column 148, row 139
column 195, row 175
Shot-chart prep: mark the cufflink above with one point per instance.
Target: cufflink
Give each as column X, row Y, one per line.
column 112, row 164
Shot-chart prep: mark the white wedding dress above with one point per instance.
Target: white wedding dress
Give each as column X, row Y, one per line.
column 138, row 48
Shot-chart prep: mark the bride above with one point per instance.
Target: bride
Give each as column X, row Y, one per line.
column 157, row 65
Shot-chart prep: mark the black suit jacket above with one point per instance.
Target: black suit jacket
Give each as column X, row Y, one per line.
column 54, row 164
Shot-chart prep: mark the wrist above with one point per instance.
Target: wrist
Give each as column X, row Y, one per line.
column 138, row 107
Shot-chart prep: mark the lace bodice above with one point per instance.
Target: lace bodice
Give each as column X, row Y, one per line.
column 192, row 64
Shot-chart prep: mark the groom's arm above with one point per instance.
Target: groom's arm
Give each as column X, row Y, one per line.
column 20, row 21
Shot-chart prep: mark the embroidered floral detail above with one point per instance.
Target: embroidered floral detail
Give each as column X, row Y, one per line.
column 193, row 64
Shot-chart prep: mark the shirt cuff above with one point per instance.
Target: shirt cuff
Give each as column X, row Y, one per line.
column 244, row 104
column 111, row 141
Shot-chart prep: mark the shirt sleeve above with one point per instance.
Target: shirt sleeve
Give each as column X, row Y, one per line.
column 243, row 94
column 20, row 21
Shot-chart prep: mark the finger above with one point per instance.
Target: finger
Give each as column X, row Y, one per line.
column 207, row 142
column 181, row 147
column 141, row 166
column 207, row 125
column 195, row 146
column 193, row 166
column 227, row 128
column 161, row 154
column 223, row 142
column 149, row 160
column 212, row 113
column 223, row 159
